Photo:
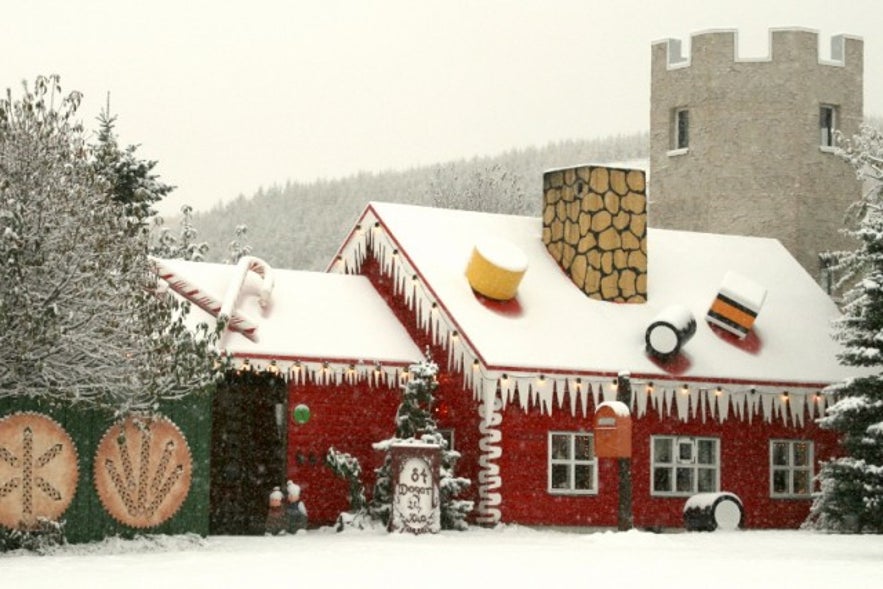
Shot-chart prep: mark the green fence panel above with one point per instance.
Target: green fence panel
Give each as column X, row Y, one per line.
column 86, row 519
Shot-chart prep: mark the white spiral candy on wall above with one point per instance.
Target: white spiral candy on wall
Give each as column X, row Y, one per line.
column 489, row 480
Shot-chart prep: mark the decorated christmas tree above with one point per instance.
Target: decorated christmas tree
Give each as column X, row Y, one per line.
column 851, row 496
column 414, row 421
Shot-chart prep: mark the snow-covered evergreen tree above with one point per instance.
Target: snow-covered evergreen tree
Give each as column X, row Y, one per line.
column 414, row 421
column 80, row 319
column 133, row 183
column 239, row 247
column 183, row 246
column 851, row 496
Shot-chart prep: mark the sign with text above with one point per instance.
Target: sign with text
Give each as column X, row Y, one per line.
column 415, row 503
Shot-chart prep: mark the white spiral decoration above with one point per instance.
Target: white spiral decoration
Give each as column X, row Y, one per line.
column 489, row 480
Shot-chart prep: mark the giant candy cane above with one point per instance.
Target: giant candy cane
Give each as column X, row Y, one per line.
column 224, row 310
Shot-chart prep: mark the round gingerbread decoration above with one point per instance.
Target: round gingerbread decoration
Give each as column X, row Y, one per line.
column 38, row 470
column 143, row 470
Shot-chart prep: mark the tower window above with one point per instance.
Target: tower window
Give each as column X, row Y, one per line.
column 827, row 124
column 680, row 137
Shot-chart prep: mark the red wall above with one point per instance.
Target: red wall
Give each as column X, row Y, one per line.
column 744, row 470
column 350, row 418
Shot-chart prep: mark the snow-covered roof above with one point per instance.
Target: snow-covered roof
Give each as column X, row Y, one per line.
column 556, row 328
column 310, row 318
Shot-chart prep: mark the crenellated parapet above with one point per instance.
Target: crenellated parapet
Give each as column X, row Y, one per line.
column 785, row 44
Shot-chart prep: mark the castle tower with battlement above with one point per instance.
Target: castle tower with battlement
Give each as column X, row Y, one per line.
column 745, row 146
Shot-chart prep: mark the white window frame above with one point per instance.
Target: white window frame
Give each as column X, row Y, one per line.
column 680, row 137
column 684, row 456
column 828, row 122
column 571, row 463
column 791, row 469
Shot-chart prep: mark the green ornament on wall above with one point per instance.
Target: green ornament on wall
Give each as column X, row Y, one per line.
column 301, row 414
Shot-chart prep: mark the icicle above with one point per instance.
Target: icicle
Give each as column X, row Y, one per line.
column 694, row 400
column 738, row 401
column 798, row 404
column 682, row 399
column 543, row 393
column 704, row 402
column 723, row 404
column 560, row 393
column 468, row 373
column 584, row 398
column 641, row 399
column 766, row 402
column 507, row 390
column 596, row 394
column 572, row 389
column 781, row 408
column 523, row 384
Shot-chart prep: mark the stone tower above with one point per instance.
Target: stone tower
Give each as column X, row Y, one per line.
column 745, row 146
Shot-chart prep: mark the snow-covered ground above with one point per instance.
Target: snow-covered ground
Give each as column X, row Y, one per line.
column 501, row 558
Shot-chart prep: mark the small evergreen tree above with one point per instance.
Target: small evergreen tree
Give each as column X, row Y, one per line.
column 133, row 183
column 239, row 247
column 183, row 246
column 414, row 420
column 851, row 496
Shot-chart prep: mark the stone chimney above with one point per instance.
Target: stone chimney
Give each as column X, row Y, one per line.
column 595, row 226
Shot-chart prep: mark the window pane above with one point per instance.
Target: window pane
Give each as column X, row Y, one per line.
column 684, row 480
column 662, row 480
column 560, row 476
column 685, row 451
column 583, row 447
column 780, row 482
column 683, row 131
column 780, row 453
column 662, row 450
column 801, row 453
column 583, row 475
column 706, row 452
column 801, row 482
column 560, row 446
column 706, row 480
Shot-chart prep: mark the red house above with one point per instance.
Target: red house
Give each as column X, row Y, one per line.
column 725, row 343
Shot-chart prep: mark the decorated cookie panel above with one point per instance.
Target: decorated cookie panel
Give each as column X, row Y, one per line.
column 38, row 470
column 143, row 470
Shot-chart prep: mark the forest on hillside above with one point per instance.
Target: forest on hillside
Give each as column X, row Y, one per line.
column 301, row 225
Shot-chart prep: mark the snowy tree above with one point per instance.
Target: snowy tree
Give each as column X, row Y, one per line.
column 488, row 188
column 414, row 420
column 183, row 246
column 80, row 318
column 239, row 247
column 851, row 496
column 132, row 181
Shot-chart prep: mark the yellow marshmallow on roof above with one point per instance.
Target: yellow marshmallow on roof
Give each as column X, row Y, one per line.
column 495, row 269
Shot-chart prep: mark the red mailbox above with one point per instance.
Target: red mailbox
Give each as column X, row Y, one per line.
column 613, row 430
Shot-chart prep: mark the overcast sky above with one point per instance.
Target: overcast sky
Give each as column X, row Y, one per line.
column 233, row 95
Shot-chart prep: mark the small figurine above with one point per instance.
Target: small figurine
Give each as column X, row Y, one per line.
column 276, row 513
column 296, row 510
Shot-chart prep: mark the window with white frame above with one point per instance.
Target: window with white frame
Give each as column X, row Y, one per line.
column 680, row 129
column 791, row 470
column 684, row 465
column 573, row 467
column 827, row 125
